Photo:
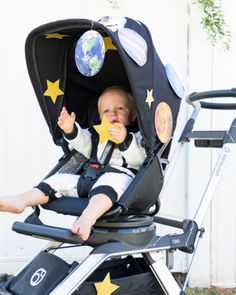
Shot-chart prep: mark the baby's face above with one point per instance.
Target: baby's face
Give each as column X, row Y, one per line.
column 115, row 107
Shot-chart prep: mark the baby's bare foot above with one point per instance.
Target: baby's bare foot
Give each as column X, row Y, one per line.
column 82, row 227
column 11, row 204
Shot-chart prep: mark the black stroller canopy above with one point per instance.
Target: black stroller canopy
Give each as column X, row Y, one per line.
column 130, row 61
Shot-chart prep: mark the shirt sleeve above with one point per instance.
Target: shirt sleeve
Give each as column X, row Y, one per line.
column 134, row 154
column 80, row 140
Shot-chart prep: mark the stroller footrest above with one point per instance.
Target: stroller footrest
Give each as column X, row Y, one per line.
column 58, row 234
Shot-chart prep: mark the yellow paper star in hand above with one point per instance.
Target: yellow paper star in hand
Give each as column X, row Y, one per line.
column 106, row 287
column 149, row 98
column 53, row 90
column 55, row 36
column 102, row 130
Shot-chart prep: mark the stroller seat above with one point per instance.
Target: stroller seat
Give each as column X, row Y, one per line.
column 130, row 219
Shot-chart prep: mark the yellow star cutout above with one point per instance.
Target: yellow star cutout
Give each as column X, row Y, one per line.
column 149, row 98
column 55, row 36
column 53, row 90
column 102, row 130
column 106, row 287
column 109, row 44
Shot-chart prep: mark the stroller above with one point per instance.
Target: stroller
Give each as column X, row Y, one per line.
column 127, row 254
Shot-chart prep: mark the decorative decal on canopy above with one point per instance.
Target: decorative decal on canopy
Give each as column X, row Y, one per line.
column 106, row 287
column 149, row 99
column 53, row 90
column 163, row 122
column 108, row 44
column 102, row 130
column 90, row 53
column 174, row 81
column 55, row 36
column 113, row 23
column 134, row 45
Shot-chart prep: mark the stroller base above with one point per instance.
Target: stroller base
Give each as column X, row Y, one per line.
column 115, row 249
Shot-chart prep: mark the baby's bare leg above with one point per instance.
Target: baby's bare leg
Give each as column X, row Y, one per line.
column 97, row 206
column 18, row 203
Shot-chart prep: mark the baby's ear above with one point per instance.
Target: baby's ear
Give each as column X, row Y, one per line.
column 133, row 116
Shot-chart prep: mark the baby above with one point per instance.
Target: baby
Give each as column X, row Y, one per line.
column 116, row 104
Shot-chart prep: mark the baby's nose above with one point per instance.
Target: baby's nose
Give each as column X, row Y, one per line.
column 113, row 112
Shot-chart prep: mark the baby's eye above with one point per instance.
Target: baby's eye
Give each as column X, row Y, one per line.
column 105, row 111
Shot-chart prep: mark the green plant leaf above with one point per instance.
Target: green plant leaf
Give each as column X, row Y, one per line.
column 214, row 23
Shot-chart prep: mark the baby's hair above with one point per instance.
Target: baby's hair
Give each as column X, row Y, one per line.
column 127, row 94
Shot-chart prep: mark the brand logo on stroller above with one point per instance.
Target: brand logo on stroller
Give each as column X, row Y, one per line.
column 37, row 277
column 222, row 160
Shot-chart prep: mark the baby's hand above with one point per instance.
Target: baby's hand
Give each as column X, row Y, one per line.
column 66, row 121
column 119, row 133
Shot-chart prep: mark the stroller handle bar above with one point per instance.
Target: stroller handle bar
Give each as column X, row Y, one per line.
column 195, row 96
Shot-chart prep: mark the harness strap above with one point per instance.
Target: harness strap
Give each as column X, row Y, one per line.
column 94, row 140
column 94, row 169
column 107, row 153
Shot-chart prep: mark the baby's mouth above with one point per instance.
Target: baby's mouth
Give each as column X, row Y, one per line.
column 114, row 121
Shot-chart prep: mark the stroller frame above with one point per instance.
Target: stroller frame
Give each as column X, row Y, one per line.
column 152, row 251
